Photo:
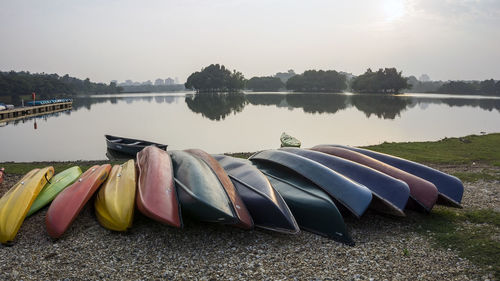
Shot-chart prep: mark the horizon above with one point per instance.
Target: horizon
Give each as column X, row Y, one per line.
column 144, row 41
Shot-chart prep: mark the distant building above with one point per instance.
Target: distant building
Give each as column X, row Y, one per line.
column 159, row 82
column 284, row 76
column 176, row 80
column 114, row 81
column 147, row 83
column 169, row 81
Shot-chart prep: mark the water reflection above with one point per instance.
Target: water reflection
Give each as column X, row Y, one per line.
column 216, row 106
column 382, row 106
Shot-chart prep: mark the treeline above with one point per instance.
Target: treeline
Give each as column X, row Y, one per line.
column 215, row 78
column 152, row 88
column 486, row 87
column 22, row 83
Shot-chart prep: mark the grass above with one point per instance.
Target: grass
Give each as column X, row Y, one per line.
column 476, row 176
column 23, row 168
column 464, row 150
column 473, row 233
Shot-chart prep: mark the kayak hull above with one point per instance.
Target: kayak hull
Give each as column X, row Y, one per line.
column 115, row 201
column 15, row 203
column 156, row 194
column 69, row 203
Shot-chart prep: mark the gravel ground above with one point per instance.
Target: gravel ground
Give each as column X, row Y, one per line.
column 386, row 248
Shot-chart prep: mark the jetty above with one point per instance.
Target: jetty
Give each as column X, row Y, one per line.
column 35, row 110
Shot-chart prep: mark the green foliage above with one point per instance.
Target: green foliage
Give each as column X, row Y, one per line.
column 470, row 232
column 387, row 80
column 317, row 81
column 16, row 168
column 486, row 87
column 215, row 78
column 271, row 84
column 21, row 83
column 464, row 150
column 474, row 177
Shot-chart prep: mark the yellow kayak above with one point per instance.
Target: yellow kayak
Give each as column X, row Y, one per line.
column 14, row 205
column 114, row 205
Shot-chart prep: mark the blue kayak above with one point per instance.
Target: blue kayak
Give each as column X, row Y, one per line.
column 450, row 188
column 352, row 195
column 390, row 195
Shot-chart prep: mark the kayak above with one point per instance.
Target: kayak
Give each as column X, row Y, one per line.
column 450, row 188
column 201, row 194
column 265, row 204
column 156, row 194
column 423, row 194
column 57, row 184
column 313, row 208
column 129, row 146
column 389, row 195
column 2, row 171
column 69, row 203
column 352, row 195
column 289, row 141
column 115, row 201
column 245, row 220
column 14, row 204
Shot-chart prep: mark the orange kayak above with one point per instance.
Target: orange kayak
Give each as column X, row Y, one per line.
column 68, row 204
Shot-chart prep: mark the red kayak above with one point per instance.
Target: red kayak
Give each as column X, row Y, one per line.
column 423, row 192
column 238, row 205
column 156, row 195
column 71, row 201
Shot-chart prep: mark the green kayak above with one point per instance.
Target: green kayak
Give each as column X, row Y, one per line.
column 289, row 141
column 57, row 184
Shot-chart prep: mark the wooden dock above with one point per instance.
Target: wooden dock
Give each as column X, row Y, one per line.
column 32, row 111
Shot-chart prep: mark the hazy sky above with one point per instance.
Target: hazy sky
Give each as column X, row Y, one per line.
column 144, row 40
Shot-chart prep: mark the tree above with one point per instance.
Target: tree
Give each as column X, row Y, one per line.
column 268, row 83
column 317, row 81
column 387, row 80
column 215, row 78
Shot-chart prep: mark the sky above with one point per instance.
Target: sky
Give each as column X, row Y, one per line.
column 145, row 40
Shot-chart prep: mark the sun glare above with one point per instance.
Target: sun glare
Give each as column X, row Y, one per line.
column 393, row 9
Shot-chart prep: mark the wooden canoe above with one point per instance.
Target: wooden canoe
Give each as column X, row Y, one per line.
column 422, row 192
column 14, row 204
column 69, row 203
column 266, row 206
column 353, row 196
column 129, row 146
column 156, row 194
column 450, row 188
column 245, row 220
column 115, row 201
column 390, row 195
column 313, row 208
column 201, row 194
column 57, row 184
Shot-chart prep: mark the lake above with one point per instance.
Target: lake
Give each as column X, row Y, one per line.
column 244, row 122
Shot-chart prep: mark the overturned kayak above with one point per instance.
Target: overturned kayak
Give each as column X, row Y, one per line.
column 450, row 188
column 57, row 184
column 313, row 208
column 289, row 141
column 68, row 204
column 266, row 206
column 2, row 171
column 156, row 194
column 353, row 196
column 115, row 201
column 245, row 220
column 200, row 192
column 14, row 204
column 390, row 195
column 423, row 193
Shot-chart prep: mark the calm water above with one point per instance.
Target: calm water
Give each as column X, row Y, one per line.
column 244, row 122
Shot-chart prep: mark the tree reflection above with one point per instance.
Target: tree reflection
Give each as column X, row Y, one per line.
column 216, row 106
column 318, row 103
column 383, row 106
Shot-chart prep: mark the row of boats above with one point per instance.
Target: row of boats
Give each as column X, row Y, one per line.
column 282, row 190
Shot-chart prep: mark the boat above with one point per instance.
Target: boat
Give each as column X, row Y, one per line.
column 353, row 196
column 2, row 172
column 289, row 141
column 245, row 220
column 45, row 102
column 313, row 208
column 14, row 204
column 389, row 195
column 57, row 184
column 115, row 200
column 156, row 194
column 129, row 146
column 200, row 192
column 68, row 204
column 450, row 188
column 423, row 194
column 266, row 206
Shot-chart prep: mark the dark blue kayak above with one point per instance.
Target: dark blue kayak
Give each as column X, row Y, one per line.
column 313, row 208
column 266, row 206
column 353, row 196
column 390, row 195
column 450, row 188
